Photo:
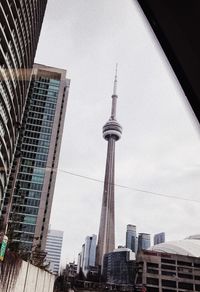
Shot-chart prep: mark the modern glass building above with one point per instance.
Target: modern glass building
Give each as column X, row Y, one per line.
column 19, row 33
column 159, row 238
column 118, row 267
column 144, row 241
column 53, row 249
column 87, row 257
column 39, row 148
column 131, row 237
column 90, row 253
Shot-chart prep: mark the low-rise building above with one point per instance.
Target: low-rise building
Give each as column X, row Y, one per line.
column 169, row 267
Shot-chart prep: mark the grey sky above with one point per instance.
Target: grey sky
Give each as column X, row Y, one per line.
column 160, row 142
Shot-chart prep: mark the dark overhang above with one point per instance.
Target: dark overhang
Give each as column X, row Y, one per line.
column 176, row 24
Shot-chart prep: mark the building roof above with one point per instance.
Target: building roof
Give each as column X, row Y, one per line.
column 189, row 246
column 120, row 249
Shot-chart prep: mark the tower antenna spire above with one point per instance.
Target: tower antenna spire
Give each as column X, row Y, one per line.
column 114, row 95
column 115, row 80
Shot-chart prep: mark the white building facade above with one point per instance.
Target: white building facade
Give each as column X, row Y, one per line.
column 53, row 249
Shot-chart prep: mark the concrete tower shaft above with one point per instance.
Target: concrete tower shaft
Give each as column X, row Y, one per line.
column 112, row 131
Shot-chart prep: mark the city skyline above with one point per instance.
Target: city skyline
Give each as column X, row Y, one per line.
column 158, row 152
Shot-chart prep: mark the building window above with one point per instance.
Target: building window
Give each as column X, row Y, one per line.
column 153, row 281
column 168, row 283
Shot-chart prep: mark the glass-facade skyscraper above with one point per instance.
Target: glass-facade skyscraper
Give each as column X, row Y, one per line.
column 144, row 241
column 118, row 267
column 39, row 147
column 87, row 257
column 19, row 33
column 131, row 237
column 159, row 238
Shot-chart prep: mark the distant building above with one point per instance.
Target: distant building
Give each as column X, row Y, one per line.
column 159, row 238
column 90, row 252
column 87, row 257
column 79, row 262
column 118, row 267
column 144, row 241
column 82, row 256
column 70, row 271
column 131, row 237
column 53, row 249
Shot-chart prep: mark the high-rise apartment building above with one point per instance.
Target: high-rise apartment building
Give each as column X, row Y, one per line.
column 43, row 122
column 144, row 241
column 53, row 249
column 131, row 237
column 159, row 238
column 19, row 33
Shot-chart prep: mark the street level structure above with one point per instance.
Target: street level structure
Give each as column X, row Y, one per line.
column 167, row 272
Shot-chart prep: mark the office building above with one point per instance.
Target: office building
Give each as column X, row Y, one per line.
column 39, row 148
column 53, row 249
column 118, row 267
column 170, row 267
column 90, row 252
column 159, row 238
column 19, row 32
column 87, row 257
column 112, row 131
column 131, row 237
column 144, row 241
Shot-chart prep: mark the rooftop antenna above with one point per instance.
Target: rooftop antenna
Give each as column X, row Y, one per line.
column 115, row 80
column 114, row 95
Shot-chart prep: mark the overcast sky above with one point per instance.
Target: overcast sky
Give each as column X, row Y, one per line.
column 159, row 149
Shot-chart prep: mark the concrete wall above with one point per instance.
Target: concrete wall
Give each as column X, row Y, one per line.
column 29, row 279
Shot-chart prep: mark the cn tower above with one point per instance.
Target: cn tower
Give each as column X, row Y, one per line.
column 112, row 131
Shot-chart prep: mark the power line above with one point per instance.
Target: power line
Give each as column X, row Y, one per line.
column 131, row 188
